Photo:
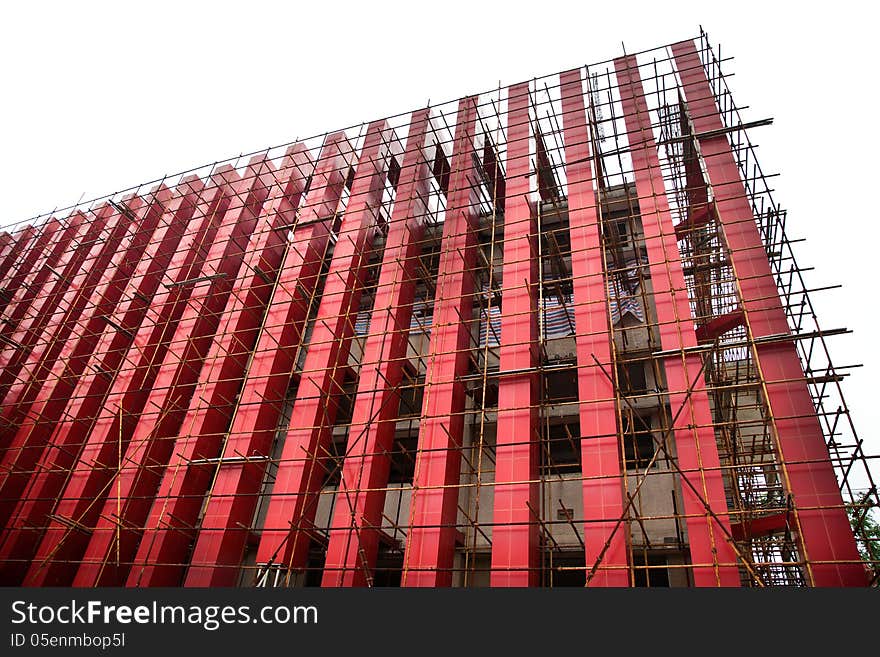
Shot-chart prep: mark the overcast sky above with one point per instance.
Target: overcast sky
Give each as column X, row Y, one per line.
column 101, row 96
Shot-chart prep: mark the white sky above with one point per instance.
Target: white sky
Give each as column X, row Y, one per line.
column 99, row 96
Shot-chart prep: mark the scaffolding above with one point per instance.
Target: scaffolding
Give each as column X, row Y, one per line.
column 548, row 335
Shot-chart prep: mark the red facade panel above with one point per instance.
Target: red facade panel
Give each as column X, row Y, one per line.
column 304, row 464
column 221, row 539
column 515, row 559
column 702, row 488
column 825, row 534
column 430, row 545
column 604, row 539
column 164, row 547
column 91, row 387
column 106, row 435
column 354, row 534
column 115, row 538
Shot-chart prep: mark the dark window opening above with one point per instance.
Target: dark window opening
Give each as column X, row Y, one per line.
column 292, row 387
column 556, row 252
column 495, row 182
column 616, row 228
column 649, row 570
column 394, row 172
column 490, row 401
column 389, row 567
column 429, row 263
column 307, row 186
column 556, row 247
column 560, row 385
column 638, row 442
column 345, row 399
column 411, row 397
column 561, row 451
column 547, row 185
column 330, row 461
column 381, row 229
column 403, row 459
column 337, row 226
column 631, row 378
column 315, row 564
column 427, row 267
column 558, row 290
column 564, row 568
column 441, row 169
column 556, row 241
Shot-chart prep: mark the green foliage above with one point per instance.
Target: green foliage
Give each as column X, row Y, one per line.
column 867, row 529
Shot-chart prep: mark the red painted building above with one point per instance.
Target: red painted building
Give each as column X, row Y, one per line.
column 549, row 335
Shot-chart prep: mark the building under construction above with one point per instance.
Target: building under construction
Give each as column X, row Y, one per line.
column 548, row 335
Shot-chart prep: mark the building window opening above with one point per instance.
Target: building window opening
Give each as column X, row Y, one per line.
column 638, row 442
column 561, row 448
column 315, row 564
column 631, row 378
column 394, row 172
column 411, row 397
column 564, row 568
column 345, row 399
column 441, row 169
column 649, row 570
column 403, row 458
column 560, row 385
column 330, row 460
column 389, row 567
